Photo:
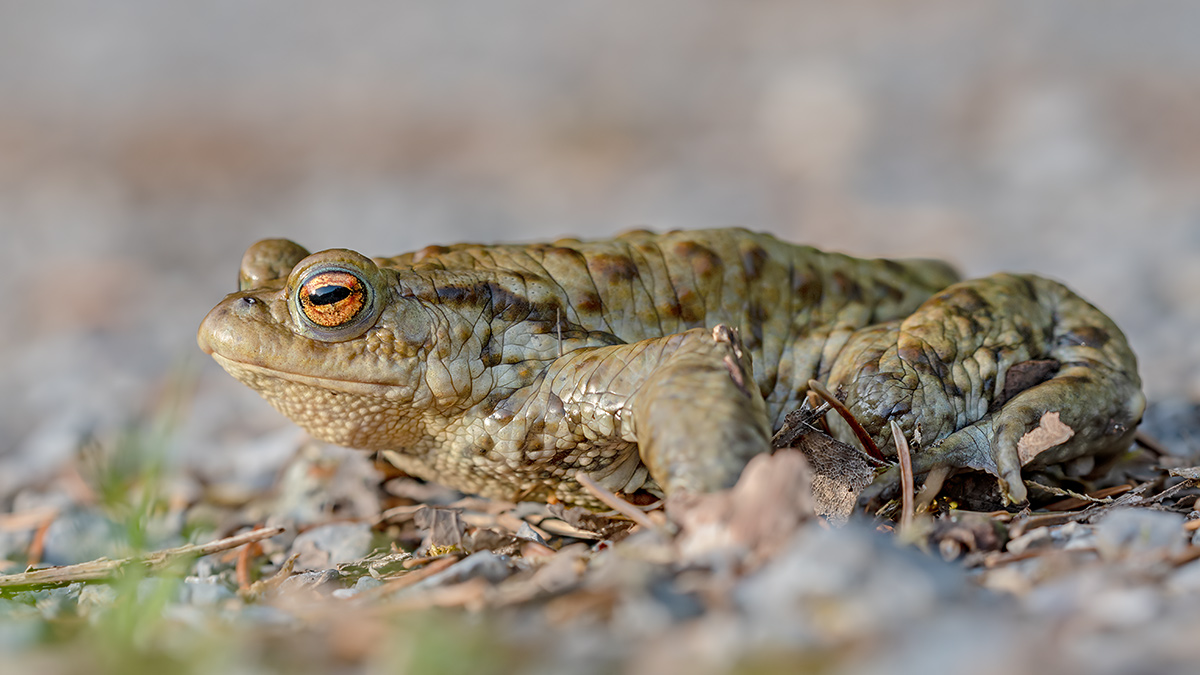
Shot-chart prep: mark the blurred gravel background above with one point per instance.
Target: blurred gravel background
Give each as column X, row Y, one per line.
column 145, row 143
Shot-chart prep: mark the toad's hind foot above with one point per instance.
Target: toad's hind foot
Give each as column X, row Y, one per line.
column 996, row 374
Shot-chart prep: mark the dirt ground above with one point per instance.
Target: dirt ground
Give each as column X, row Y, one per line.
column 144, row 145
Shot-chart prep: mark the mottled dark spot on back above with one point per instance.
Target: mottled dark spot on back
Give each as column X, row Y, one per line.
column 460, row 294
column 754, row 258
column 691, row 309
column 704, row 262
column 508, row 306
column 1026, row 284
column 963, row 299
column 806, row 286
column 588, row 303
column 923, row 358
column 847, row 286
column 1086, row 336
column 757, row 315
column 607, row 268
column 885, row 291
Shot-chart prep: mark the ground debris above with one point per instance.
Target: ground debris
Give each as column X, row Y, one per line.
column 751, row 521
column 773, row 571
column 103, row 568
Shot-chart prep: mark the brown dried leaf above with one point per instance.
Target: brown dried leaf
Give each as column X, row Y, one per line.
column 1051, row 431
column 444, row 528
column 839, row 473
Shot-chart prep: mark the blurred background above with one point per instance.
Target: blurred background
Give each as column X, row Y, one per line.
column 145, row 143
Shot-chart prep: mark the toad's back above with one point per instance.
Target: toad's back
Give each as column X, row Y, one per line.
column 793, row 306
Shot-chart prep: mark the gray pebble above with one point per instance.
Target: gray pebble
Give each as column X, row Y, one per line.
column 1132, row 531
column 79, row 536
column 332, row 544
column 206, row 590
column 484, row 564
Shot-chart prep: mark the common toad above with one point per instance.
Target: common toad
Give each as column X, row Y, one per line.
column 663, row 362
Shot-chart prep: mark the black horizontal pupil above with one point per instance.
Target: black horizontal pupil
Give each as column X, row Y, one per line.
column 328, row 295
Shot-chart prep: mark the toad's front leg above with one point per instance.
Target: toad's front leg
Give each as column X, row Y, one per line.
column 688, row 401
column 981, row 365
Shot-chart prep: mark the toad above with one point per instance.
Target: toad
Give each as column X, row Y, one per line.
column 664, row 362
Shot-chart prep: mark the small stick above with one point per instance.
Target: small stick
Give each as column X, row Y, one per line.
column 27, row 520
column 906, row 477
column 859, row 432
column 37, row 547
column 242, row 567
column 262, row 586
column 614, row 502
column 104, row 568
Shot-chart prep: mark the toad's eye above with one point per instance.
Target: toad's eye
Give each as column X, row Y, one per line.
column 335, row 295
column 332, row 298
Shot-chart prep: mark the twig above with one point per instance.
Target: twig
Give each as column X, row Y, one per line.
column 242, row 566
column 262, row 586
column 27, row 520
column 614, row 502
column 37, row 547
column 104, row 568
column 859, row 432
column 906, row 477
column 1074, row 500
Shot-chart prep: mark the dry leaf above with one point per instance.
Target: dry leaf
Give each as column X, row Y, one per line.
column 1051, row 431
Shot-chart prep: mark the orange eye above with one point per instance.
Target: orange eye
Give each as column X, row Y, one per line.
column 332, row 298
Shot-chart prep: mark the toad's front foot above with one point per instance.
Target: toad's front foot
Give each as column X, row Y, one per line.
column 994, row 374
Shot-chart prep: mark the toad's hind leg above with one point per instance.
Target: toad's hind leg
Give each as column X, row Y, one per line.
column 943, row 372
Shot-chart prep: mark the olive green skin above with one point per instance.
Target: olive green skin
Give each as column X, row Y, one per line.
column 664, row 362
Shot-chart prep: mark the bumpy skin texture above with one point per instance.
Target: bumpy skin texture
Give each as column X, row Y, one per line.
column 661, row 361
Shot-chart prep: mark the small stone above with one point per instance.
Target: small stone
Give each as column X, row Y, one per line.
column 526, row 531
column 328, row 545
column 80, row 536
column 206, row 591
column 1126, row 532
column 484, row 564
column 1033, row 539
column 363, row 584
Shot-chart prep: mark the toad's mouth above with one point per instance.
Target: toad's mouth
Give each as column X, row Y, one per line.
column 256, row 376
